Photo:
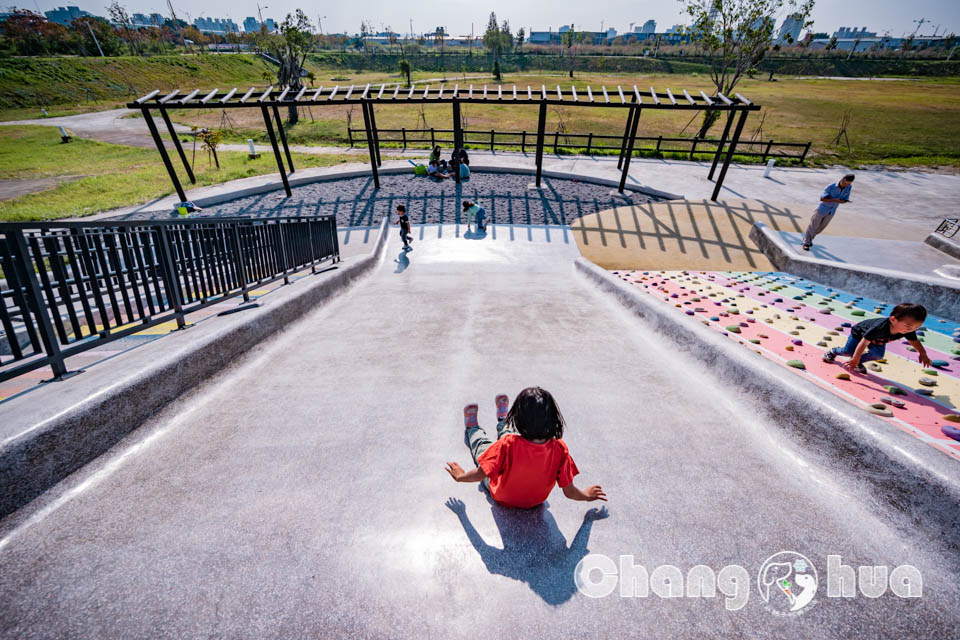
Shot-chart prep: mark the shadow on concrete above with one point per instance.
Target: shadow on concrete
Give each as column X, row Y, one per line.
column 534, row 549
column 355, row 203
column 403, row 260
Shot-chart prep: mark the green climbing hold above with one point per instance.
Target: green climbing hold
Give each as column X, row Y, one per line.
column 754, row 341
column 930, row 372
column 894, row 390
column 857, row 312
column 732, row 328
column 796, row 364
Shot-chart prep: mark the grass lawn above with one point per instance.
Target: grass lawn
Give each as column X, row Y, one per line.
column 99, row 176
column 893, row 122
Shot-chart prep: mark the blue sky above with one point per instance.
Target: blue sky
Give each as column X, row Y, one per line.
column 457, row 15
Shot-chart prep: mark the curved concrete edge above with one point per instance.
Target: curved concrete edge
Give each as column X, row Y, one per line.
column 63, row 426
column 944, row 244
column 940, row 297
column 271, row 182
column 897, row 469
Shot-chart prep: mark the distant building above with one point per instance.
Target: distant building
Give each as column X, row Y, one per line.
column 650, row 26
column 215, row 25
column 854, row 33
column 270, row 24
column 250, row 24
column 790, row 29
column 65, row 16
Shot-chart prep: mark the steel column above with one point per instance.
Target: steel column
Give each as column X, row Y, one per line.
column 163, row 154
column 626, row 130
column 373, row 154
column 457, row 141
column 376, row 134
column 176, row 142
column 729, row 157
column 629, row 153
column 276, row 149
column 283, row 137
column 723, row 141
column 541, row 125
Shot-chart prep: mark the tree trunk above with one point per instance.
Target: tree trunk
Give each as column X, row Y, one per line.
column 709, row 118
column 293, row 115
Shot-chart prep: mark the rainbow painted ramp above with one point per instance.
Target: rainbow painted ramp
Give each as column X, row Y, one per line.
column 793, row 321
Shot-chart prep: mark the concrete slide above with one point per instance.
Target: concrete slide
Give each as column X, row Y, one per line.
column 302, row 493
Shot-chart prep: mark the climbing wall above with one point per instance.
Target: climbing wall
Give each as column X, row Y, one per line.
column 793, row 321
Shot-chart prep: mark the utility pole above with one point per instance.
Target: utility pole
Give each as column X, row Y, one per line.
column 919, row 24
column 95, row 41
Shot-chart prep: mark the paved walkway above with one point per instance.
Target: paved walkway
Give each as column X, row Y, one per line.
column 302, row 493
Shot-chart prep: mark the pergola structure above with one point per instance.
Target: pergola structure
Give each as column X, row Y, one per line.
column 269, row 101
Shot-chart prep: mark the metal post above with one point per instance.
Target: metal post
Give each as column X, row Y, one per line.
column 457, row 142
column 373, row 130
column 766, row 151
column 523, row 142
column 729, row 156
column 693, row 147
column 283, row 137
column 163, row 153
column 626, row 130
column 804, row 155
column 541, row 125
column 35, row 301
column 403, row 130
column 276, row 149
column 373, row 154
column 720, row 145
column 350, row 135
column 589, row 142
column 629, row 153
column 176, row 142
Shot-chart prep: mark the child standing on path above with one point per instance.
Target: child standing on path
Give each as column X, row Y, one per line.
column 528, row 459
column 835, row 194
column 868, row 339
column 404, row 223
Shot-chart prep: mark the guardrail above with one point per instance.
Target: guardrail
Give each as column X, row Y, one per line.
column 73, row 286
column 492, row 139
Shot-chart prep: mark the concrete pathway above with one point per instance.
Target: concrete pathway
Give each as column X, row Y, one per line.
column 302, row 493
column 106, row 126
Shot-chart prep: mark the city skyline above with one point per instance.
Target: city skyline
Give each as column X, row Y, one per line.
column 457, row 15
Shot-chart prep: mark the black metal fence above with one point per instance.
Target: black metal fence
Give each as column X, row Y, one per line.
column 493, row 139
column 70, row 287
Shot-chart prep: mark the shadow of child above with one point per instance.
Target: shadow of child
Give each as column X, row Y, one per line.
column 534, row 549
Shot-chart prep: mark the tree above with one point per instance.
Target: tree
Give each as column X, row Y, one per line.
column 290, row 47
column 831, row 45
column 735, row 36
column 366, row 30
column 521, row 35
column 571, row 40
column 496, row 41
column 31, row 34
column 106, row 38
column 506, row 36
column 118, row 15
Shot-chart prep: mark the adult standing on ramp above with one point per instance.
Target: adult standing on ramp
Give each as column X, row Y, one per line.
column 833, row 195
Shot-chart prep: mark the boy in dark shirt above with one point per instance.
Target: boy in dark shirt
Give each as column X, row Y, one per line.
column 404, row 223
column 868, row 339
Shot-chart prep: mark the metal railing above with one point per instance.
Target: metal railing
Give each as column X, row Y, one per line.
column 492, row 139
column 72, row 286
column 949, row 227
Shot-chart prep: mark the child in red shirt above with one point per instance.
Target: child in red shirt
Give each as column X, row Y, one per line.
column 521, row 468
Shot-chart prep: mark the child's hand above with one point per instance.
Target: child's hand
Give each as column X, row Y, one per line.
column 455, row 470
column 851, row 364
column 595, row 493
column 924, row 359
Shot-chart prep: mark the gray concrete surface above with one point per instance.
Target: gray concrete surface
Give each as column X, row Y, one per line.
column 48, row 434
column 302, row 492
column 943, row 244
column 107, row 126
column 895, row 271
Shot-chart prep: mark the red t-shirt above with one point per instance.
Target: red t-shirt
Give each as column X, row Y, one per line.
column 522, row 473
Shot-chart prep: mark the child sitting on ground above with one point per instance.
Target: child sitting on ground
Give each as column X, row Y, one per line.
column 521, row 468
column 434, row 171
column 868, row 339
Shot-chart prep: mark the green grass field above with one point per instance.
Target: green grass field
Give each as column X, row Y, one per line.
column 893, row 122
column 99, row 176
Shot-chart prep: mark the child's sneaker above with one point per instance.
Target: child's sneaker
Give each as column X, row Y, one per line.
column 503, row 405
column 829, row 357
column 470, row 416
column 862, row 370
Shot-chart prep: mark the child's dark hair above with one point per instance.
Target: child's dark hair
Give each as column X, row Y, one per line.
column 535, row 415
column 909, row 310
column 401, row 208
column 467, row 204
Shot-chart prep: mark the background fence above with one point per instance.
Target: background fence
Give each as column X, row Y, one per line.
column 492, row 139
column 70, row 287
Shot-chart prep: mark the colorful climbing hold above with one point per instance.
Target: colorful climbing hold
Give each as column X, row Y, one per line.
column 895, row 390
column 796, row 364
column 732, row 328
column 843, row 375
